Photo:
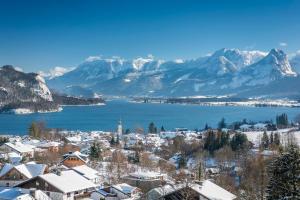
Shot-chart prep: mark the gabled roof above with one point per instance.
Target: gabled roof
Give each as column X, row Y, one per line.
column 86, row 171
column 29, row 170
column 77, row 154
column 68, row 181
column 20, row 147
column 207, row 189
column 213, row 191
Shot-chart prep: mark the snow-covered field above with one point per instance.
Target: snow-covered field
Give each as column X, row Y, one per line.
column 255, row 136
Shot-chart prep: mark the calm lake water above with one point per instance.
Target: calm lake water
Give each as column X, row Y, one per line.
column 88, row 118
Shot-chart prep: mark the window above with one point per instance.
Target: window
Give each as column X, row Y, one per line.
column 68, row 194
column 37, row 183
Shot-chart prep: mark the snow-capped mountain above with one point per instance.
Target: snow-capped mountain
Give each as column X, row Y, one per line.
column 24, row 90
column 227, row 71
column 295, row 62
column 27, row 92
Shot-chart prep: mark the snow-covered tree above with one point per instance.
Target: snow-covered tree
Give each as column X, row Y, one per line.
column 284, row 176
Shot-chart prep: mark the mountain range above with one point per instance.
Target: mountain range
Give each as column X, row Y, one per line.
column 229, row 72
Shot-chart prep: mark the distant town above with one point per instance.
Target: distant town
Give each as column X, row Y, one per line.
column 231, row 161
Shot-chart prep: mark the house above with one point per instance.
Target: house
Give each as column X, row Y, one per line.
column 11, row 175
column 103, row 194
column 117, row 192
column 14, row 194
column 50, row 146
column 12, row 157
column 19, row 194
column 125, row 191
column 88, row 173
column 66, row 185
column 145, row 180
column 24, row 150
column 73, row 159
column 260, row 127
column 246, row 127
column 204, row 190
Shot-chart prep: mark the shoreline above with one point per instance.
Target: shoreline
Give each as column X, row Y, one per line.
column 265, row 103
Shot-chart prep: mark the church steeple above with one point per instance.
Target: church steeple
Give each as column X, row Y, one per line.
column 120, row 129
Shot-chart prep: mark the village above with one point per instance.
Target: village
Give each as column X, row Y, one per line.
column 214, row 163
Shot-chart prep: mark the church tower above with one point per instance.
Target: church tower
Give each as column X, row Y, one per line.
column 120, row 129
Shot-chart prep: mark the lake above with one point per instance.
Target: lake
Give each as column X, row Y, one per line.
column 133, row 115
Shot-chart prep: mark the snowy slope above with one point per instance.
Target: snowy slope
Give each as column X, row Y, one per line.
column 227, row 71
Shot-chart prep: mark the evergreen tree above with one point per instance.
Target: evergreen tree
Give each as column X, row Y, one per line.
column 206, row 127
column 127, row 131
column 238, row 141
column 118, row 139
column 152, row 128
column 112, row 141
column 265, row 140
column 209, row 141
column 95, row 152
column 222, row 124
column 271, row 138
column 162, row 129
column 282, row 120
column 284, row 173
column 277, row 139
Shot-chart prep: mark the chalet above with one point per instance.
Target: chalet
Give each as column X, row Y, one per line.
column 66, row 185
column 204, row 190
column 11, row 175
column 24, row 150
column 73, row 159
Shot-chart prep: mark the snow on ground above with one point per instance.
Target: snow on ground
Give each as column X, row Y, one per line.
column 255, row 136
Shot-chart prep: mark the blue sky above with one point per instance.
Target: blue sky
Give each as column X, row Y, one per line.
column 38, row 35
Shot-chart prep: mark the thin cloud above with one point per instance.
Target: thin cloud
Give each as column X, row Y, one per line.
column 283, row 44
column 92, row 58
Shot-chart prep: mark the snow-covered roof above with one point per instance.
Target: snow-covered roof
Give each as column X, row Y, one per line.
column 146, row 174
column 245, row 126
column 68, row 181
column 14, row 194
column 77, row 154
column 125, row 188
column 213, row 191
column 207, row 189
column 29, row 169
column 260, row 125
column 86, row 171
column 20, row 147
column 49, row 144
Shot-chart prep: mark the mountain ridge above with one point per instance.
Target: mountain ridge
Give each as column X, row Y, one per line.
column 226, row 71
